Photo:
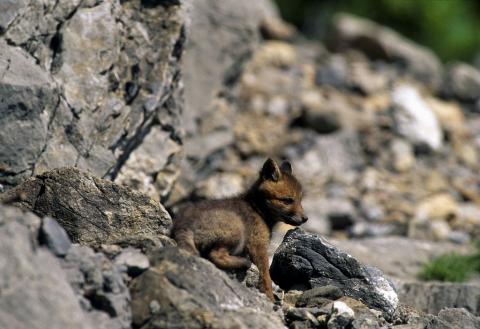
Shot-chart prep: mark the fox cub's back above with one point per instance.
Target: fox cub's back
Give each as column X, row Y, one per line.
column 213, row 222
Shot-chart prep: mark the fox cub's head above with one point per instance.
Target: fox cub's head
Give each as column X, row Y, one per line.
column 281, row 193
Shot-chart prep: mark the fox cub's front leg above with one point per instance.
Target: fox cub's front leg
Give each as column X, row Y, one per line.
column 259, row 255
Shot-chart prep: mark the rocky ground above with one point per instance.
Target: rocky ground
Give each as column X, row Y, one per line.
column 159, row 102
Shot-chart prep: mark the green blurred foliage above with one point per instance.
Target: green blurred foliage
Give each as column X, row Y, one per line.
column 452, row 267
column 451, row 28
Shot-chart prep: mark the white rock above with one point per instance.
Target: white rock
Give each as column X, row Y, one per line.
column 414, row 119
column 134, row 260
column 342, row 308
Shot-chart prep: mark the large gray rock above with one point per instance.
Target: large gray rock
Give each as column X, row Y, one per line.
column 34, row 290
column 79, row 289
column 28, row 99
column 305, row 261
column 234, row 28
column 83, row 82
column 449, row 318
column 463, row 82
column 93, row 211
column 185, row 291
column 380, row 42
column 458, row 318
column 431, row 297
column 55, row 237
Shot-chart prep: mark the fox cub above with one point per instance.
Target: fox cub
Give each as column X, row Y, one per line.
column 226, row 231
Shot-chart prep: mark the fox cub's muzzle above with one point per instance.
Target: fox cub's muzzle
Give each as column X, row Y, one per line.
column 295, row 220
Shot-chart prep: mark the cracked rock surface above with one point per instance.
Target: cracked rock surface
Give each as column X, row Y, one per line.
column 305, row 260
column 169, row 296
column 81, row 289
column 94, row 211
column 83, row 82
column 34, row 291
column 100, row 286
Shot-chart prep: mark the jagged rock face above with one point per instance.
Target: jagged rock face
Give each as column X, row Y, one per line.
column 94, row 211
column 432, row 297
column 185, row 291
column 83, row 82
column 79, row 289
column 305, row 261
column 100, row 286
column 35, row 290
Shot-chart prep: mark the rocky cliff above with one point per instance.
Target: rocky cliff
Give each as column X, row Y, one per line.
column 83, row 83
column 113, row 113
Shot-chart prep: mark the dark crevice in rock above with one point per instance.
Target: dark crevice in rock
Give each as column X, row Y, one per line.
column 74, row 11
column 9, row 61
column 156, row 3
column 10, row 42
column 119, row 142
column 102, row 303
column 130, row 145
column 131, row 91
column 180, row 44
column 55, row 5
column 170, row 106
column 150, row 118
column 132, row 87
column 49, row 133
column 235, row 71
column 5, row 171
column 75, row 112
column 135, row 71
column 38, row 196
column 56, row 47
column 75, row 139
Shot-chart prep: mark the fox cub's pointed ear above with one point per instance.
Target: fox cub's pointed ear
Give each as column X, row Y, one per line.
column 286, row 167
column 270, row 170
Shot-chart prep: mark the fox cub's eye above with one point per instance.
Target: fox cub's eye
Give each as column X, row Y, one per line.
column 287, row 200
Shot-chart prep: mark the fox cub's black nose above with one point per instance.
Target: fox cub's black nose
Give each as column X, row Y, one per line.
column 304, row 219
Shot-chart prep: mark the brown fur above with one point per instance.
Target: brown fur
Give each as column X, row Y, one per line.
column 226, row 231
